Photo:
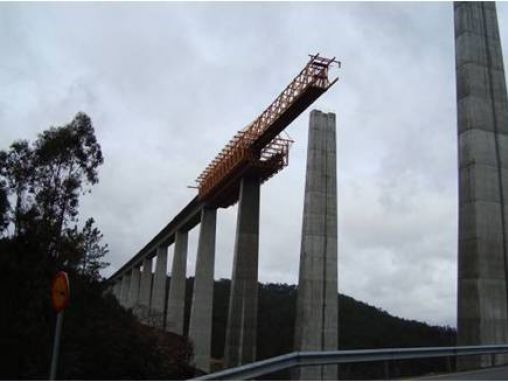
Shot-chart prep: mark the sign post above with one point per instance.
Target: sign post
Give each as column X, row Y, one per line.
column 59, row 300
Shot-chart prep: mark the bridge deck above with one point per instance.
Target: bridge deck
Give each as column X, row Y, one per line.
column 186, row 219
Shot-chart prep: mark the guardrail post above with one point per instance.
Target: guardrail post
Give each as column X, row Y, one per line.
column 387, row 369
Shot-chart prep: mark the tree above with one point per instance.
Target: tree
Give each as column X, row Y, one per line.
column 93, row 251
column 66, row 161
column 4, row 208
column 44, row 181
column 17, row 172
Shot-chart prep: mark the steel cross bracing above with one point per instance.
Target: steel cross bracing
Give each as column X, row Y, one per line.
column 258, row 149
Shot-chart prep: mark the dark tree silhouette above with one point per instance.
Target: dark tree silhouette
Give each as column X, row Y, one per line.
column 40, row 235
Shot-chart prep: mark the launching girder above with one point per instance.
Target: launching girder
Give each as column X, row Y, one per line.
column 258, row 149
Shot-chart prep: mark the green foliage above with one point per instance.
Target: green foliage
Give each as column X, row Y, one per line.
column 100, row 339
column 88, row 241
column 4, row 208
column 66, row 160
column 360, row 326
column 46, row 178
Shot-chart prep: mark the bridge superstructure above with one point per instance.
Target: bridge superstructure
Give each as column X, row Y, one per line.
column 258, row 152
column 258, row 149
column 252, row 156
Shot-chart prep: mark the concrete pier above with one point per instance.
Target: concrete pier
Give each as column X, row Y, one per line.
column 317, row 302
column 200, row 326
column 483, row 176
column 176, row 295
column 125, row 289
column 241, row 330
column 134, row 289
column 117, row 289
column 145, row 290
column 159, row 287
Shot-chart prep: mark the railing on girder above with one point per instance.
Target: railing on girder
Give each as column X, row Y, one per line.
column 302, row 359
column 259, row 148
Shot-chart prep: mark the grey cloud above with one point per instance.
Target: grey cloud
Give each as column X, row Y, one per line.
column 167, row 84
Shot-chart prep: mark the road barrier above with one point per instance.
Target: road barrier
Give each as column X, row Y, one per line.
column 301, row 359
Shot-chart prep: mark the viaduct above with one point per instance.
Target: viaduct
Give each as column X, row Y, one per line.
column 252, row 156
column 258, row 152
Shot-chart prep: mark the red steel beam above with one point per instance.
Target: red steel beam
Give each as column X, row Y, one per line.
column 258, row 149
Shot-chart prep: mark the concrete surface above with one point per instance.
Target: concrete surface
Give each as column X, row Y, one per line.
column 134, row 288
column 241, row 329
column 317, row 306
column 145, row 290
column 124, row 296
column 483, row 165
column 176, row 295
column 200, row 326
column 117, row 289
column 159, row 287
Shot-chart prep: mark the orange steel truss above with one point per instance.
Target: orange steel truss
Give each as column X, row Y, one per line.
column 258, row 149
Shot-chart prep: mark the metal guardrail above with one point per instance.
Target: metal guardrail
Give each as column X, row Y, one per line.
column 300, row 359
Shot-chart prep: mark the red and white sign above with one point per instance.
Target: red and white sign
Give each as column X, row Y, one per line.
column 60, row 292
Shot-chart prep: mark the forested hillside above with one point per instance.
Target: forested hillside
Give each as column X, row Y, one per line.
column 361, row 326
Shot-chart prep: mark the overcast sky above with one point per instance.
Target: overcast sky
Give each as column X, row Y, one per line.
column 168, row 84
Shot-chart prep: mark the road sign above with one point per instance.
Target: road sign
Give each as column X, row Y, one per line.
column 60, row 292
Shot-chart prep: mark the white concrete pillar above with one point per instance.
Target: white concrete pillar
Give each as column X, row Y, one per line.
column 145, row 290
column 159, row 287
column 125, row 289
column 317, row 302
column 241, row 330
column 117, row 289
column 482, row 112
column 176, row 295
column 134, row 288
column 200, row 326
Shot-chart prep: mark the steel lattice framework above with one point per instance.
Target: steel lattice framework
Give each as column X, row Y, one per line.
column 258, row 149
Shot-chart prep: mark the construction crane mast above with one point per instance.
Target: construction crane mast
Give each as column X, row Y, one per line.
column 258, row 149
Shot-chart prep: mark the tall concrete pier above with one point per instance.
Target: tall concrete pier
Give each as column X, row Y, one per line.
column 317, row 303
column 483, row 176
column 134, row 288
column 176, row 295
column 124, row 297
column 200, row 326
column 145, row 291
column 241, row 330
column 159, row 287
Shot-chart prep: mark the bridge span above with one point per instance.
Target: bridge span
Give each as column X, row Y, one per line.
column 257, row 152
